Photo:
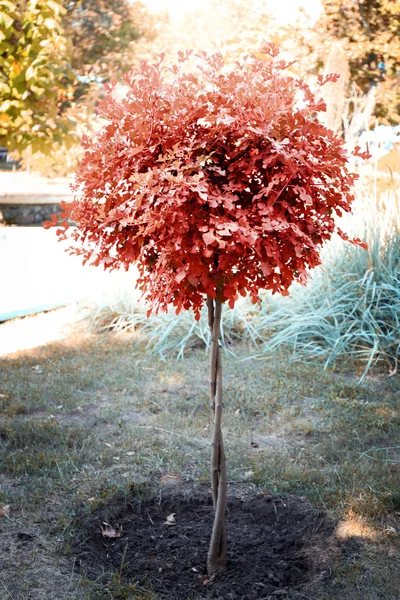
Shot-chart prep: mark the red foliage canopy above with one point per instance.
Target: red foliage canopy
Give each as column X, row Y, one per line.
column 215, row 182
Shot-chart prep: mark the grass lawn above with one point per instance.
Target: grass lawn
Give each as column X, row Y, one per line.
column 91, row 418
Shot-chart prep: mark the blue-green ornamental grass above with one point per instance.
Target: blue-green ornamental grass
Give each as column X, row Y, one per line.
column 351, row 311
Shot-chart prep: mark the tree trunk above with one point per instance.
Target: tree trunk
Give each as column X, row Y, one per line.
column 216, row 558
column 335, row 94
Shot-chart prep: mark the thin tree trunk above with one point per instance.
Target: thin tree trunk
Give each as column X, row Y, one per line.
column 216, row 558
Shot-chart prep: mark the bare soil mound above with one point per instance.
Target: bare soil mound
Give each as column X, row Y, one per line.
column 277, row 547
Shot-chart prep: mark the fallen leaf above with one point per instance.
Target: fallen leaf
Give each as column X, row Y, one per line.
column 111, row 532
column 4, row 510
column 170, row 519
column 206, row 579
column 390, row 530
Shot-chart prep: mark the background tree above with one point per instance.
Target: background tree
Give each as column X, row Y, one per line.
column 217, row 183
column 53, row 60
column 35, row 75
column 370, row 33
column 101, row 34
column 335, row 94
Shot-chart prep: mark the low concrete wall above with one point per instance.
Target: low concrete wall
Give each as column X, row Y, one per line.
column 27, row 214
column 27, row 199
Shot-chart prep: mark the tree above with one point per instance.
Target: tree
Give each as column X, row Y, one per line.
column 217, row 183
column 370, row 31
column 335, row 94
column 35, row 76
column 102, row 33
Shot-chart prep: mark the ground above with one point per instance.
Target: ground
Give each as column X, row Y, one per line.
column 275, row 545
column 93, row 430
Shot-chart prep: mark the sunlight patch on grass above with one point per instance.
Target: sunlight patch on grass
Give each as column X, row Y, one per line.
column 354, row 526
column 37, row 330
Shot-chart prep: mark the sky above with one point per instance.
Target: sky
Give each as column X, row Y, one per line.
column 285, row 11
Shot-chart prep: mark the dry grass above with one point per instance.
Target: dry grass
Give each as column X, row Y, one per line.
column 88, row 417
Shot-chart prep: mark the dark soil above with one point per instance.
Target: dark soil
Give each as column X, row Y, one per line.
column 277, row 548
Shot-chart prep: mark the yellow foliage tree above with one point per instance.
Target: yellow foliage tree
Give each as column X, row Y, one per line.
column 35, row 77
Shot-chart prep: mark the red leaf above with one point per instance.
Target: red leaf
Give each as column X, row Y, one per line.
column 52, row 223
column 209, row 238
column 365, row 155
